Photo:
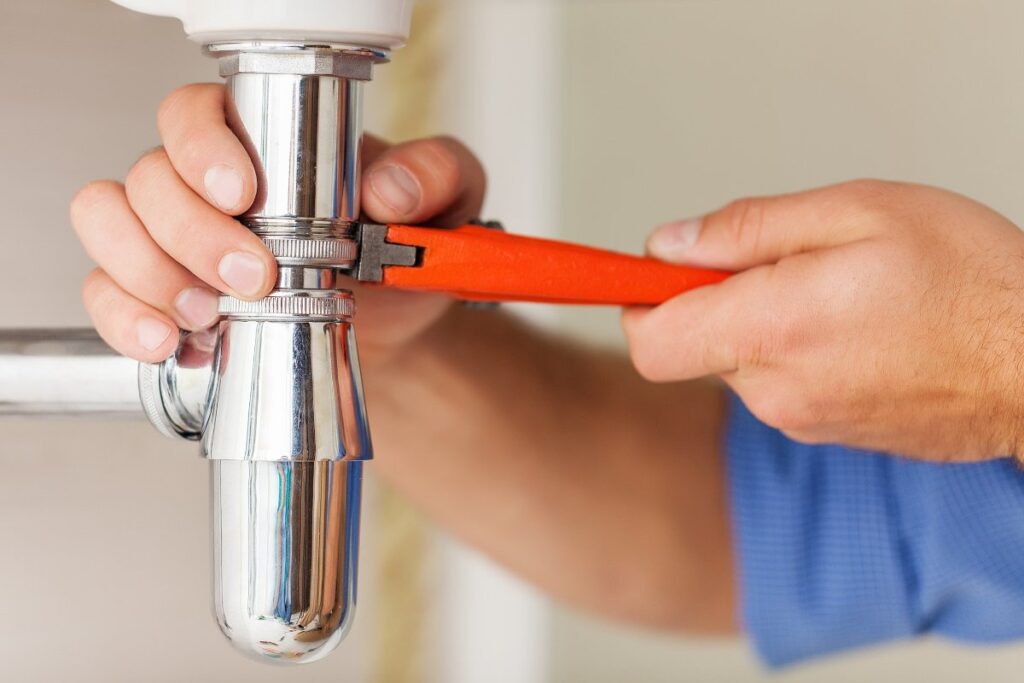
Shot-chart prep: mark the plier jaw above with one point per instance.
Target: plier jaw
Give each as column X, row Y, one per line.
column 376, row 253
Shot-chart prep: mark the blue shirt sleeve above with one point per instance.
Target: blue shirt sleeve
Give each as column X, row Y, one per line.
column 840, row 548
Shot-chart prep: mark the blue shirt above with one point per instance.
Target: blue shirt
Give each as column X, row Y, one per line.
column 840, row 548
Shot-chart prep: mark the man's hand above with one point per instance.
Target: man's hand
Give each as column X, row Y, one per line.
column 877, row 315
column 166, row 241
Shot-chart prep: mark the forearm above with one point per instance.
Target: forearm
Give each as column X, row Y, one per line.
column 562, row 464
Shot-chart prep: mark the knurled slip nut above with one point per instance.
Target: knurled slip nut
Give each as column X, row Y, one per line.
column 316, row 252
column 152, row 405
column 308, row 307
column 152, row 397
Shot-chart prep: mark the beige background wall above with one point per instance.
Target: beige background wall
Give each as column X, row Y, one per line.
column 673, row 107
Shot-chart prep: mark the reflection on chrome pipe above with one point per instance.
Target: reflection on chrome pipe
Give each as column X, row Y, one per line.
column 287, row 391
column 276, row 114
column 285, row 433
column 65, row 372
column 285, row 541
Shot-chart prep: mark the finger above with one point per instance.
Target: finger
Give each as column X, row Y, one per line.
column 762, row 230
column 438, row 179
column 708, row 331
column 129, row 326
column 216, row 248
column 115, row 239
column 204, row 151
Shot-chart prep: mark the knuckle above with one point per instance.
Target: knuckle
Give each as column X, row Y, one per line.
column 779, row 333
column 470, row 167
column 90, row 199
column 772, row 339
column 148, row 169
column 170, row 106
column 91, row 282
column 193, row 232
column 867, row 204
column 714, row 353
column 757, row 351
column 152, row 278
column 461, row 153
column 191, row 150
column 744, row 221
column 185, row 120
column 774, row 409
column 641, row 351
column 646, row 362
column 177, row 102
column 789, row 412
column 97, row 296
column 866, row 189
column 442, row 160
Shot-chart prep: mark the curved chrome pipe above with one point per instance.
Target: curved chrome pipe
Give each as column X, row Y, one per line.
column 286, row 539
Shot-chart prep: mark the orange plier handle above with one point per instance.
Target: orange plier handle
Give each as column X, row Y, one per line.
column 477, row 263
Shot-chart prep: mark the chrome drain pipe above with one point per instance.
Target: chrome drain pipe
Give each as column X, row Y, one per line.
column 65, row 372
column 284, row 423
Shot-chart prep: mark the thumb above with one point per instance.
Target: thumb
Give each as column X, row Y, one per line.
column 761, row 230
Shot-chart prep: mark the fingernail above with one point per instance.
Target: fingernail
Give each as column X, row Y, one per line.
column 223, row 187
column 673, row 241
column 396, row 187
column 243, row 272
column 152, row 333
column 197, row 306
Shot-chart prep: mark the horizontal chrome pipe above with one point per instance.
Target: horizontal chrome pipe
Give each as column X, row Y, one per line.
column 65, row 372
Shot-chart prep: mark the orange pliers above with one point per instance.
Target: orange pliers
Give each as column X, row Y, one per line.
column 481, row 262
